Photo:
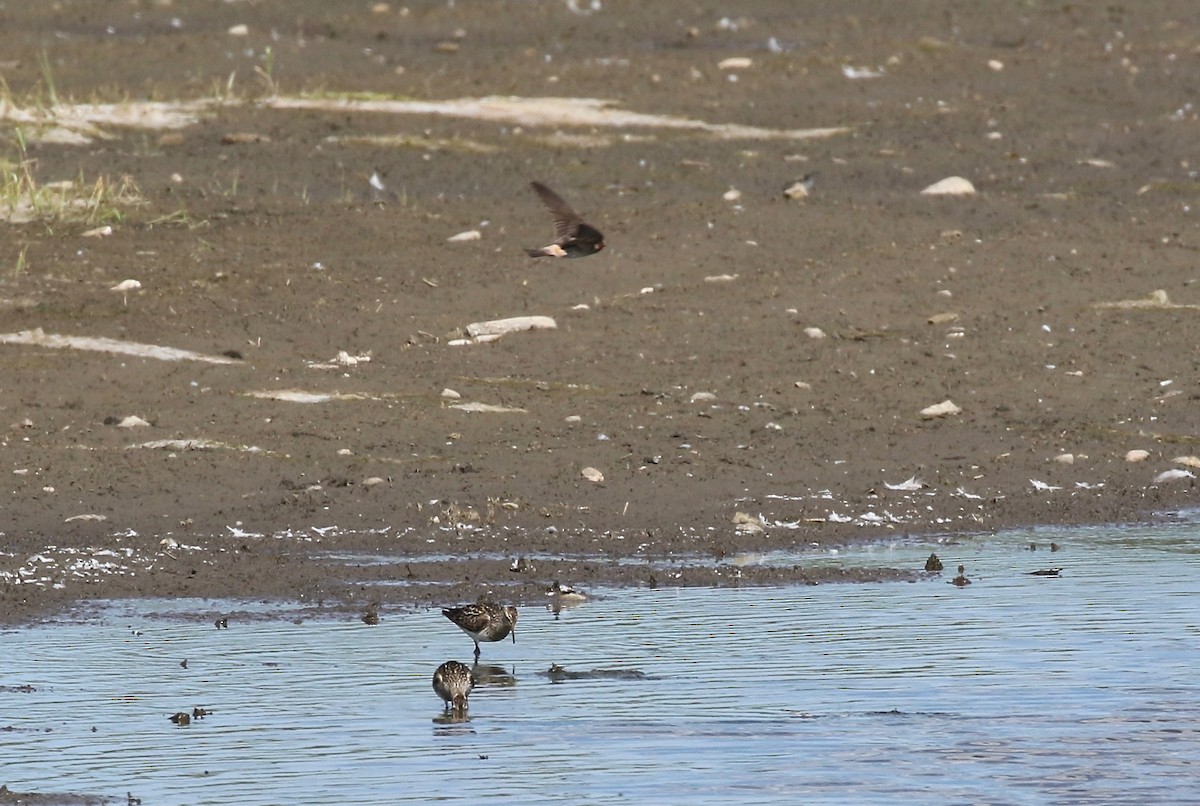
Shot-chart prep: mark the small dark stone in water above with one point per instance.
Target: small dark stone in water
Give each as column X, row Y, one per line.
column 371, row 617
column 933, row 563
column 1046, row 572
column 557, row 673
column 183, row 663
column 182, row 718
column 1055, row 547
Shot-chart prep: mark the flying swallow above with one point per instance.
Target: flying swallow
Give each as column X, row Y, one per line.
column 572, row 237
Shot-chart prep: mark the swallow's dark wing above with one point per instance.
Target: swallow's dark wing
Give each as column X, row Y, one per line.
column 566, row 220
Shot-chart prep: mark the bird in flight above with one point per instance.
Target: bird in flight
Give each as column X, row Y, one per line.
column 572, row 237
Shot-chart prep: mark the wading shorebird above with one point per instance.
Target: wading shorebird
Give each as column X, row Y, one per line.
column 572, row 237
column 484, row 621
column 453, row 682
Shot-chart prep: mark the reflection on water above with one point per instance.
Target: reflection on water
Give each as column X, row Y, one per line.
column 1018, row 688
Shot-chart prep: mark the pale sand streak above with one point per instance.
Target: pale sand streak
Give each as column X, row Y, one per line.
column 550, row 112
column 39, row 338
column 82, row 123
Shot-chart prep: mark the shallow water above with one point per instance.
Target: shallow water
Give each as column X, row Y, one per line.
column 1015, row 689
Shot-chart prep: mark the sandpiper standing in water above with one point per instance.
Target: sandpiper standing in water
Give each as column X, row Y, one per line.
column 572, row 237
column 484, row 621
column 453, row 682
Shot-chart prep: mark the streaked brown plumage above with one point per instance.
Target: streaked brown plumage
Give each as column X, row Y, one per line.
column 572, row 237
column 453, row 682
column 484, row 621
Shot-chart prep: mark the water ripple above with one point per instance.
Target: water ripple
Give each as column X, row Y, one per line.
column 1016, row 689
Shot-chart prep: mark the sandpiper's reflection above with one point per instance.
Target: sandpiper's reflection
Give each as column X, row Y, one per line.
column 489, row 675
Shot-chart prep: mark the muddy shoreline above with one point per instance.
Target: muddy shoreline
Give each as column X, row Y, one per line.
column 747, row 372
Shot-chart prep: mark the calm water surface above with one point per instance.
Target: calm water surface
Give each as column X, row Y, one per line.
column 1016, row 689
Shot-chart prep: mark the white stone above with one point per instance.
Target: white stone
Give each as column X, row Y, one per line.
column 499, row 327
column 487, row 408
column 735, row 63
column 950, row 186
column 1173, row 474
column 943, row 409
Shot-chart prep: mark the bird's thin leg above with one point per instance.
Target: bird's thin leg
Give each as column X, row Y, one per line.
column 477, row 652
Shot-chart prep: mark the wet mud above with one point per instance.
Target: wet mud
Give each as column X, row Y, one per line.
column 737, row 371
